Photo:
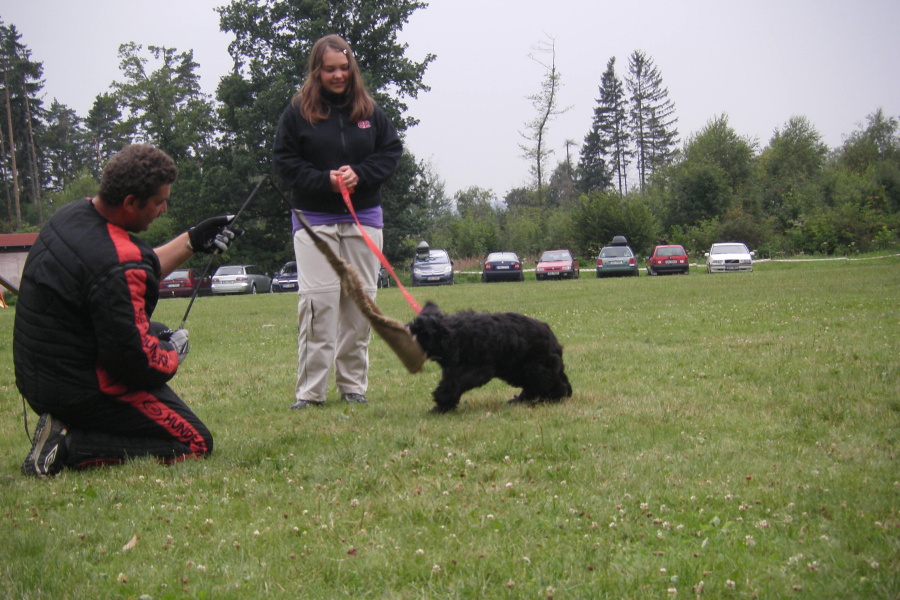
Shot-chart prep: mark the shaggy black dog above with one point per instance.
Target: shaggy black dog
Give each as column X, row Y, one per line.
column 473, row 348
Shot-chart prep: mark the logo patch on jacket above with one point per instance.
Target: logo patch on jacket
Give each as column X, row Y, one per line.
column 363, row 124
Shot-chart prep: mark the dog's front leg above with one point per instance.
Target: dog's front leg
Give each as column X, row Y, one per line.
column 456, row 381
column 446, row 394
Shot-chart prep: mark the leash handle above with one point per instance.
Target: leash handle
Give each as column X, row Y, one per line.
column 374, row 248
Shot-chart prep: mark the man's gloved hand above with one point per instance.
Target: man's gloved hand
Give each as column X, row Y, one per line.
column 172, row 340
column 212, row 235
column 179, row 339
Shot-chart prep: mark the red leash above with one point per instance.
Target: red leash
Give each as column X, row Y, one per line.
column 374, row 247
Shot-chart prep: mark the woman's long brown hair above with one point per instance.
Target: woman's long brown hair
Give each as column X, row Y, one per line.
column 308, row 100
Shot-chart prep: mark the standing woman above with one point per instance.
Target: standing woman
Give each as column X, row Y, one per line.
column 332, row 130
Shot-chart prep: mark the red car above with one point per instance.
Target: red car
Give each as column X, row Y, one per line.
column 668, row 259
column 182, row 283
column 557, row 264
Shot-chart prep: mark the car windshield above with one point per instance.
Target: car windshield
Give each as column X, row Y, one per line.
column 501, row 256
column 615, row 252
column 729, row 249
column 290, row 269
column 230, row 271
column 554, row 256
column 674, row 251
column 434, row 256
column 177, row 275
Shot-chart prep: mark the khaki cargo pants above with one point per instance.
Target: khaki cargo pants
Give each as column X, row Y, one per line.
column 331, row 329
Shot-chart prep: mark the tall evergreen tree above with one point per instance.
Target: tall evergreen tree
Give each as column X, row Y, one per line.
column 21, row 115
column 65, row 144
column 652, row 116
column 107, row 131
column 605, row 153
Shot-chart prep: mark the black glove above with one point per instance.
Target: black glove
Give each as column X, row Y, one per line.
column 212, row 235
column 172, row 340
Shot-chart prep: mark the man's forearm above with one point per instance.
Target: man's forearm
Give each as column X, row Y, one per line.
column 174, row 253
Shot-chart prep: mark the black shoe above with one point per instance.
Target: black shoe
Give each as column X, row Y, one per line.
column 48, row 449
column 361, row 399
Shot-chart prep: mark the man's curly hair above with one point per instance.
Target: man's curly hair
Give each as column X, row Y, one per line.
column 138, row 169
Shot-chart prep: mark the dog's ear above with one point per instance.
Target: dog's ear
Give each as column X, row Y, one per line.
column 430, row 309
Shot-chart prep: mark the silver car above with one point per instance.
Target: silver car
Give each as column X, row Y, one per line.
column 240, row 279
column 729, row 257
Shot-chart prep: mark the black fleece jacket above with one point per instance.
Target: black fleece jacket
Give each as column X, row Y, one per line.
column 82, row 323
column 304, row 153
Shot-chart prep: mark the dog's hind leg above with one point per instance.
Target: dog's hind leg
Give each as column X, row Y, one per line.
column 544, row 382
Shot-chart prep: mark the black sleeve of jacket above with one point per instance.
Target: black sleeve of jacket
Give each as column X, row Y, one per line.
column 378, row 167
column 126, row 347
column 296, row 172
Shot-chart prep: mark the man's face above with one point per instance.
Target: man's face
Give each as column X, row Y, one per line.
column 156, row 205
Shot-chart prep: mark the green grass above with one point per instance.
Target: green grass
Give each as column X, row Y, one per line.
column 738, row 430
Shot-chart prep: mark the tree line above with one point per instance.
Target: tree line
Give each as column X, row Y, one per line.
column 632, row 176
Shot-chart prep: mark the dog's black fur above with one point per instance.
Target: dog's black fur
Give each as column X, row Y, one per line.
column 473, row 348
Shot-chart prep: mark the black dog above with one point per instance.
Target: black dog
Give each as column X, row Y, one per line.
column 473, row 348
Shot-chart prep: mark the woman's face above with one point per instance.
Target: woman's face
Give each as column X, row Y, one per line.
column 335, row 71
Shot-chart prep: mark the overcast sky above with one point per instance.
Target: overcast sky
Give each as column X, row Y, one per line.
column 833, row 61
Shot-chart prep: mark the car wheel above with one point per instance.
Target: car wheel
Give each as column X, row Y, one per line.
column 253, row 288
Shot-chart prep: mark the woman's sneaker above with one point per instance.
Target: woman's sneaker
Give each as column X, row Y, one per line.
column 48, row 448
column 361, row 399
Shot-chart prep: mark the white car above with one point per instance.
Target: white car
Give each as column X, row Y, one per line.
column 240, row 279
column 728, row 257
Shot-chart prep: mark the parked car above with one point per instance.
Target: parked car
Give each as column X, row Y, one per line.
column 285, row 280
column 240, row 279
column 502, row 266
column 181, row 283
column 557, row 264
column 668, row 259
column 729, row 256
column 431, row 266
column 384, row 278
column 617, row 259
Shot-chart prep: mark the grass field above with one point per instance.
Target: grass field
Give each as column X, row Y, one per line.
column 730, row 436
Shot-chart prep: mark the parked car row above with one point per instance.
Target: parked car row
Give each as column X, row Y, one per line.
column 434, row 267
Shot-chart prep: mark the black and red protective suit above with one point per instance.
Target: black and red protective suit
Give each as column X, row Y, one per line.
column 85, row 350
